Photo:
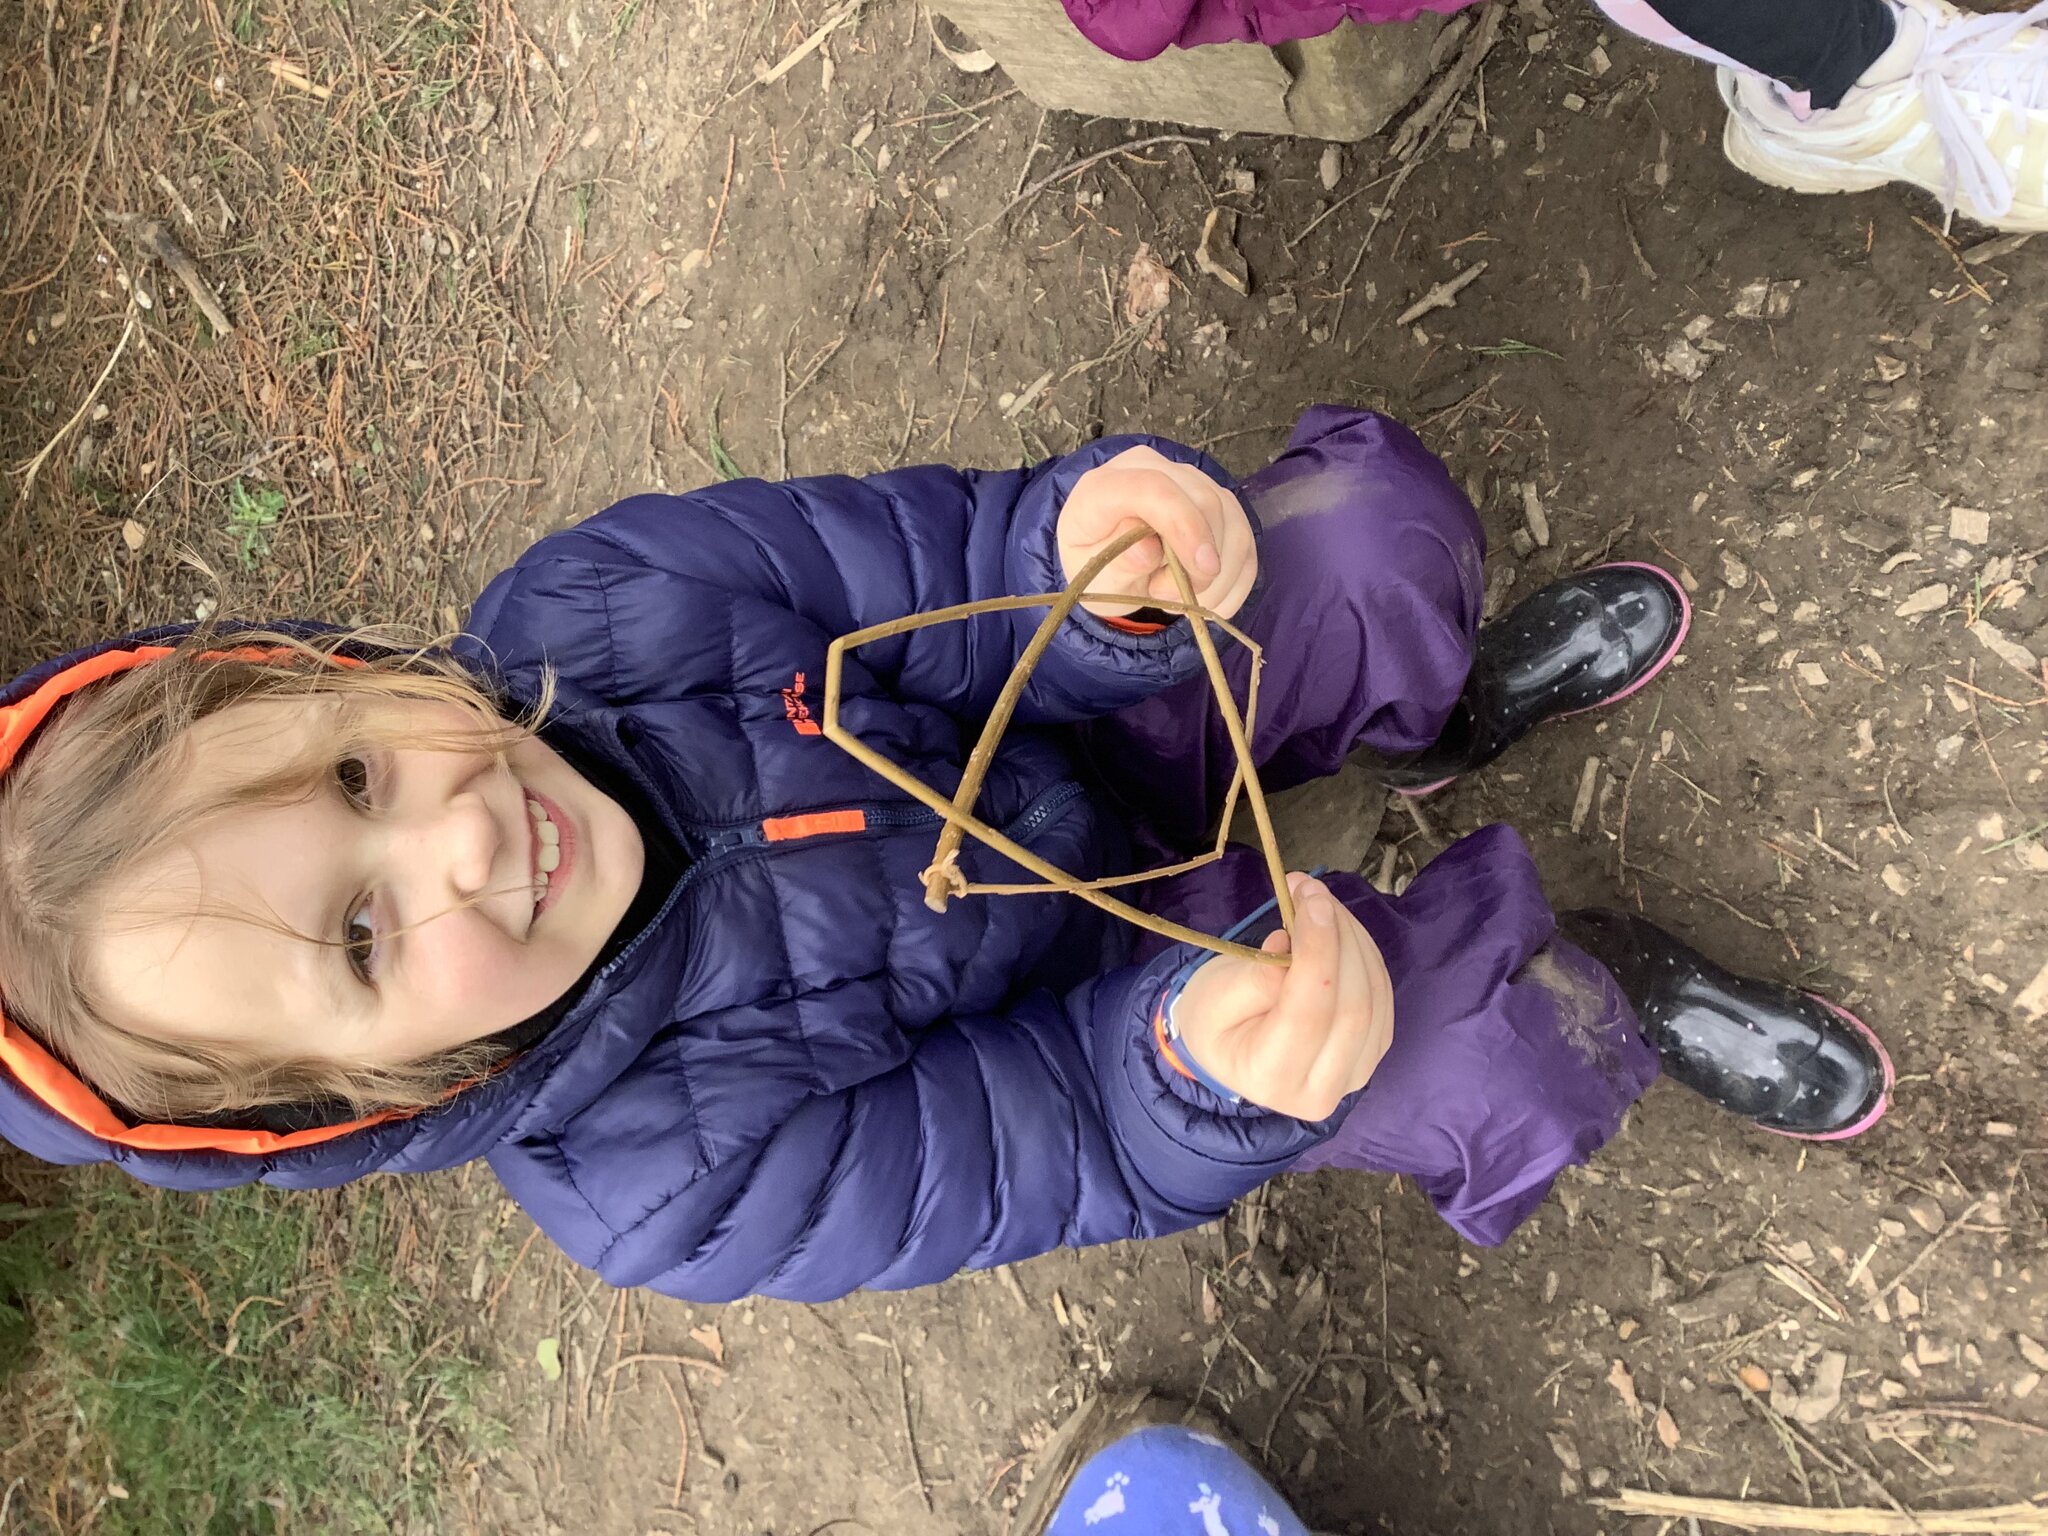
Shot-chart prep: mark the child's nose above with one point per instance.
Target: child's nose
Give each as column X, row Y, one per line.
column 470, row 844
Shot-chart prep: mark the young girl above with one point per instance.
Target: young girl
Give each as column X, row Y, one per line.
column 590, row 896
column 1822, row 95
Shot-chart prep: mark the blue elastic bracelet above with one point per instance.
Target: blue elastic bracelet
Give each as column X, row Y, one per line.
column 1178, row 984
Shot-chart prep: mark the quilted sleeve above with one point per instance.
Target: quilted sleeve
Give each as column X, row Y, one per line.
column 996, row 1139
column 838, row 554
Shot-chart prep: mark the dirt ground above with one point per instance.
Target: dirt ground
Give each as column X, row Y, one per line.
column 1820, row 411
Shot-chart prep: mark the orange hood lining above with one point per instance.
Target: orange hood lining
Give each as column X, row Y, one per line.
column 47, row 1079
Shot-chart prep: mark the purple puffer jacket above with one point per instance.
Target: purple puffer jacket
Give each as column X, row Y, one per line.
column 1144, row 29
column 798, row 1081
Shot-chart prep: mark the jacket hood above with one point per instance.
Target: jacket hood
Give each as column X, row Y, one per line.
column 47, row 1110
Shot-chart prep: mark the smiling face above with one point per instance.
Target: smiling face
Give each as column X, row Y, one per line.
column 448, row 890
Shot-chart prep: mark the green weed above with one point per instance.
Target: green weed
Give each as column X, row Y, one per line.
column 251, row 516
column 720, row 459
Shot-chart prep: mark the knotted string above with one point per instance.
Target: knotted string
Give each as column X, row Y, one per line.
column 943, row 878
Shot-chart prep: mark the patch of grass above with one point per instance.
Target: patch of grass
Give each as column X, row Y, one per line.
column 720, row 459
column 623, row 22
column 580, row 201
column 249, row 1360
column 251, row 516
column 246, row 26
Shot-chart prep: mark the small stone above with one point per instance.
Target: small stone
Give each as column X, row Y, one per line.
column 1927, row 1352
column 1927, row 1214
column 1598, row 62
column 1330, row 168
column 1813, row 674
column 1755, row 1377
column 1574, row 102
column 1240, row 181
column 1891, row 1390
column 1891, row 1227
column 1966, row 525
column 2032, row 1352
column 134, row 535
column 2023, row 1388
column 1733, row 571
column 1907, row 1302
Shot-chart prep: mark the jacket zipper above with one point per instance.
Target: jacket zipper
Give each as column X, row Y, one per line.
column 717, row 840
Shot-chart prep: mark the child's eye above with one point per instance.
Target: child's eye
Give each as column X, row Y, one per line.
column 352, row 774
column 359, row 942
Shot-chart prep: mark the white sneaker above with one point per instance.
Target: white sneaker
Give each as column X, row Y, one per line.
column 1967, row 120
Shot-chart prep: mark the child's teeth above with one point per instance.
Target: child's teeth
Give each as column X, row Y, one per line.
column 550, row 834
column 550, row 857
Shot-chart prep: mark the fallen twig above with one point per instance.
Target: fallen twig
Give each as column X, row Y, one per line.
column 34, row 466
column 1934, row 1242
column 156, row 239
column 1071, row 168
column 1749, row 1515
column 1409, row 136
column 1443, row 296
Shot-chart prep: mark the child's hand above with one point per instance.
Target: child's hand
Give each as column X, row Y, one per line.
column 1201, row 520
column 1298, row 1040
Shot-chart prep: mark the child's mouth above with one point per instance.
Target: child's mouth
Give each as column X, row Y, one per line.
column 553, row 844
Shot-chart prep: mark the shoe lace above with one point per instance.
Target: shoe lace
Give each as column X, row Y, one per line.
column 1974, row 55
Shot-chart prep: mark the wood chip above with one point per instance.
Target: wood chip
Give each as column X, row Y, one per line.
column 2033, row 998
column 1923, row 601
column 2006, row 649
column 1966, row 525
column 1589, row 780
column 1534, row 515
column 1625, row 1387
column 2032, row 1352
column 1667, row 1429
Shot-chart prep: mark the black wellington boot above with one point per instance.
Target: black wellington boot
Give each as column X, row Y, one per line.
column 1784, row 1059
column 1581, row 642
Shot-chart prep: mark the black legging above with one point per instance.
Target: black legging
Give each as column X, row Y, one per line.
column 1819, row 46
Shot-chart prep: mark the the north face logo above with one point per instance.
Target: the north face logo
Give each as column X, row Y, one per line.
column 796, row 710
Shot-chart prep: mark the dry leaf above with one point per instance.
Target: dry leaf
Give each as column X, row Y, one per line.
column 1625, row 1385
column 1212, row 1309
column 708, row 1336
column 134, row 535
column 1667, row 1429
column 1148, row 286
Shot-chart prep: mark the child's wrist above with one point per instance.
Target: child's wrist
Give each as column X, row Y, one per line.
column 1175, row 1050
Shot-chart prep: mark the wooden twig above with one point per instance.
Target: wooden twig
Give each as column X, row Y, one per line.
column 924, row 1486
column 943, row 879
column 688, row 1362
column 1419, row 123
column 1443, row 296
column 1913, row 1266
column 732, row 149
column 1748, row 1515
column 1070, row 169
column 34, row 466
column 802, row 50
column 153, row 237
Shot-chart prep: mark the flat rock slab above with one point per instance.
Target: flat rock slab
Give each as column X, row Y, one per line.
column 1343, row 86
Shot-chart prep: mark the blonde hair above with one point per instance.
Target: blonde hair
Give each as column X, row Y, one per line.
column 99, row 790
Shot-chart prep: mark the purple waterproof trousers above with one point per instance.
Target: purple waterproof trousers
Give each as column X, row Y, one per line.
column 1514, row 1053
